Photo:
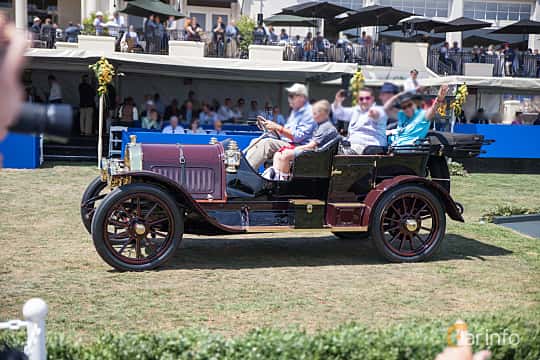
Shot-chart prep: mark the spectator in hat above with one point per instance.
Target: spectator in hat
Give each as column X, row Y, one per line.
column 387, row 91
column 297, row 131
column 35, row 29
column 99, row 23
column 413, row 122
column 412, row 84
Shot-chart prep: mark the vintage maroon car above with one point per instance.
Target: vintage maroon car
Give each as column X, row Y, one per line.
column 159, row 192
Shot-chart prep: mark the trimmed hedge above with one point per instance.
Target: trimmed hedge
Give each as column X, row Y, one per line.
column 345, row 342
column 508, row 210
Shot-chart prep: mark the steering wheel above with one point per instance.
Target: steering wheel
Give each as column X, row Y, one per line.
column 262, row 126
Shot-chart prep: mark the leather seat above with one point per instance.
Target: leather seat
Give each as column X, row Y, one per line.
column 316, row 163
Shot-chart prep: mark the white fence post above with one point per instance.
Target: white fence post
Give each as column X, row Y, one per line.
column 35, row 312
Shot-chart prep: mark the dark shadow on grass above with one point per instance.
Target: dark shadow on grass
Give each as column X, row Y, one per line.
column 235, row 252
column 457, row 247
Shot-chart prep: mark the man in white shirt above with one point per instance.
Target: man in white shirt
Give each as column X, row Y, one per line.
column 173, row 127
column 367, row 121
column 412, row 84
column 226, row 113
column 55, row 91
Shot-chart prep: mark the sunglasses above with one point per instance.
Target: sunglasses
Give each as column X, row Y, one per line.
column 366, row 98
column 407, row 105
column 290, row 96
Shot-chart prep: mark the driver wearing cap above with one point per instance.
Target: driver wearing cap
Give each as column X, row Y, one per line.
column 297, row 131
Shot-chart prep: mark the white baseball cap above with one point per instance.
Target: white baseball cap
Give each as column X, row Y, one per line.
column 37, row 19
column 298, row 89
column 99, row 13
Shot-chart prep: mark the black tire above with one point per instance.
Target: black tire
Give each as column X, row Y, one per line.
column 397, row 216
column 92, row 194
column 123, row 208
column 351, row 235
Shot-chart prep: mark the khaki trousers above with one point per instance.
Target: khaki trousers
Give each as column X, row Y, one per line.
column 263, row 150
column 86, row 119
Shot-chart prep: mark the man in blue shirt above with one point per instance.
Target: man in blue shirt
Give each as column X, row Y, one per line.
column 413, row 123
column 297, row 131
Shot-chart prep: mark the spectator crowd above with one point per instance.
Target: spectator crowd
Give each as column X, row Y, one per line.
column 507, row 60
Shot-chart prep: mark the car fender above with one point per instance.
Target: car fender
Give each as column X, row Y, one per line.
column 373, row 196
column 197, row 221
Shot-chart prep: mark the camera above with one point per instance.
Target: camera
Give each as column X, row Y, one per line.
column 52, row 120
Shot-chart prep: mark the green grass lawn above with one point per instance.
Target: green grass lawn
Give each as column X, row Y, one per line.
column 235, row 283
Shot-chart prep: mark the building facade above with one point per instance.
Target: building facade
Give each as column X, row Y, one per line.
column 499, row 12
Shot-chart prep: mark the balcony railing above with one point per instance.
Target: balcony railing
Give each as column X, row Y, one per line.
column 526, row 65
column 380, row 56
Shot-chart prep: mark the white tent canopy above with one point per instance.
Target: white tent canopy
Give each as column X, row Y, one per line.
column 211, row 68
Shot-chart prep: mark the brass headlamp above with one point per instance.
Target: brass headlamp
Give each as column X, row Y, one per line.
column 232, row 157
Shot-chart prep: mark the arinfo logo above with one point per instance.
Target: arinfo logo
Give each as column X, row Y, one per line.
column 458, row 335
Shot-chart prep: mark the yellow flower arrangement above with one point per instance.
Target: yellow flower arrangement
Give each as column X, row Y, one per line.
column 461, row 97
column 356, row 84
column 104, row 73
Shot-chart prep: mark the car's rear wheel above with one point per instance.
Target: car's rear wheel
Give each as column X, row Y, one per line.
column 137, row 227
column 408, row 224
column 351, row 235
column 94, row 193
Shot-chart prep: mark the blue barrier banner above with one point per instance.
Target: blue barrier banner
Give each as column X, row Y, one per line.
column 20, row 151
column 511, row 141
column 192, row 139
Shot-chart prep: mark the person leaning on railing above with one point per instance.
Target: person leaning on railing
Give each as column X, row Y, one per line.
column 232, row 34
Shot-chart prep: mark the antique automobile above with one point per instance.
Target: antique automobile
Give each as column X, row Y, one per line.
column 141, row 206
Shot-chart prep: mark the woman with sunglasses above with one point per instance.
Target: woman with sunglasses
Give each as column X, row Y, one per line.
column 413, row 122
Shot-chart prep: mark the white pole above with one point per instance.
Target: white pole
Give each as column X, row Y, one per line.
column 100, row 132
column 21, row 14
column 35, row 311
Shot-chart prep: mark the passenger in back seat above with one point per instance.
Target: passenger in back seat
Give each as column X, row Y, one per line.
column 367, row 120
column 413, row 123
column 324, row 133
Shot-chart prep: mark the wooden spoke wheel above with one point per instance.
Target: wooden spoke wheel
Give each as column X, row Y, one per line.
column 408, row 224
column 94, row 193
column 137, row 227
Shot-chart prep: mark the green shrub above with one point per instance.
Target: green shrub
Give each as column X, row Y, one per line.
column 246, row 25
column 507, row 210
column 351, row 341
column 457, row 169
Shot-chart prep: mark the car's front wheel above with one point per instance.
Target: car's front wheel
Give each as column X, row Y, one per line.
column 137, row 227
column 94, row 193
column 408, row 224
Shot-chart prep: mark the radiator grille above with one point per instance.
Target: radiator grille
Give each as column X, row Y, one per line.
column 199, row 180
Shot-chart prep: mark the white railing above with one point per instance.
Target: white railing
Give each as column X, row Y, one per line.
column 34, row 312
